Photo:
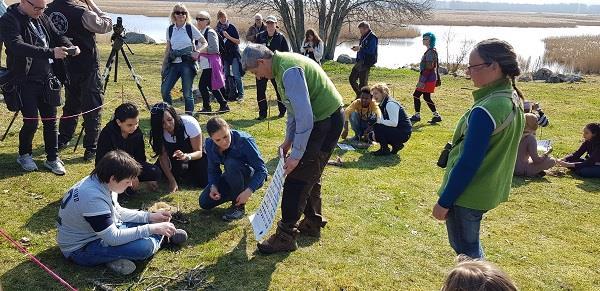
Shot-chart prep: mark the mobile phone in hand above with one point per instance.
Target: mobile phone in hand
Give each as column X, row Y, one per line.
column 72, row 51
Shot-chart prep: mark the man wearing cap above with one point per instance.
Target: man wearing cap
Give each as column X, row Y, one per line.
column 275, row 41
column 314, row 124
column 255, row 29
column 366, row 57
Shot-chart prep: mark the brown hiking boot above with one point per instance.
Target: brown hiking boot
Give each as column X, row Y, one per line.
column 284, row 240
column 311, row 226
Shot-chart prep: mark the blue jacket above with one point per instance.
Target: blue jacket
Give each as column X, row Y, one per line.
column 242, row 148
column 368, row 49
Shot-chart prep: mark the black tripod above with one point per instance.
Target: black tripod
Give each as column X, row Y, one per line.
column 117, row 46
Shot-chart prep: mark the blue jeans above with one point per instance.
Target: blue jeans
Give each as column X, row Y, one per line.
column 235, row 67
column 463, row 231
column 95, row 253
column 232, row 182
column 186, row 72
column 358, row 126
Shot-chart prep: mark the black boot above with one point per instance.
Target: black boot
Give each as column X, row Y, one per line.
column 383, row 151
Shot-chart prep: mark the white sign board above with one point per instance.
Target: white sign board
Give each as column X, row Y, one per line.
column 263, row 219
column 544, row 145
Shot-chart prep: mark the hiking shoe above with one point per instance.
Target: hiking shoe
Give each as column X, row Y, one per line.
column 224, row 108
column 179, row 237
column 235, row 213
column 415, row 118
column 311, row 227
column 122, row 266
column 57, row 166
column 206, row 110
column 89, row 155
column 284, row 240
column 435, row 119
column 383, row 151
column 27, row 163
column 397, row 148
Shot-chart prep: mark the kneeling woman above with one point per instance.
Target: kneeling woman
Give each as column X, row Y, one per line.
column 393, row 127
column 245, row 170
column 177, row 140
column 94, row 229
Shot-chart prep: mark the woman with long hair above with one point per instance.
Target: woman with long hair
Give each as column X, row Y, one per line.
column 312, row 46
column 177, row 141
column 428, row 79
column 484, row 147
column 589, row 167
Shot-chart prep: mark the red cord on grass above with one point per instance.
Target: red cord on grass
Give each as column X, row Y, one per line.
column 35, row 260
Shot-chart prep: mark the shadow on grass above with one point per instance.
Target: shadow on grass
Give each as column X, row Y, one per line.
column 519, row 181
column 418, row 126
column 590, row 185
column 10, row 167
column 369, row 161
column 232, row 270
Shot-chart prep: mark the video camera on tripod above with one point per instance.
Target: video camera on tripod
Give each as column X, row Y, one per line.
column 118, row 29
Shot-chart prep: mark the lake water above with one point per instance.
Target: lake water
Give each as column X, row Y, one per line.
column 394, row 53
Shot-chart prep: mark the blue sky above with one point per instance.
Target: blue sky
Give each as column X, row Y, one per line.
column 538, row 1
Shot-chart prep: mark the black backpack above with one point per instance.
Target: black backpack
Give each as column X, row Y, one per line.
column 220, row 40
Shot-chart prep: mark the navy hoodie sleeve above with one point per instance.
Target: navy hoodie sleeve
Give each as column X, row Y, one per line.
column 477, row 140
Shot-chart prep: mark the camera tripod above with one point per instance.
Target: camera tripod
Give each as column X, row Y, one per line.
column 117, row 47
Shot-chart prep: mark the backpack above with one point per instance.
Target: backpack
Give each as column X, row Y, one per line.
column 188, row 29
column 220, row 41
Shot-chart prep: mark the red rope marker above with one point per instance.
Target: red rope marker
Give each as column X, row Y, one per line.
column 36, row 261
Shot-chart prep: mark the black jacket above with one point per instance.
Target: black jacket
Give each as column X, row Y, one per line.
column 276, row 43
column 111, row 139
column 20, row 42
column 66, row 16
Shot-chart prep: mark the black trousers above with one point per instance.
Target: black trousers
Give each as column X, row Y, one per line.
column 150, row 172
column 204, row 87
column 427, row 97
column 261, row 97
column 359, row 72
column 387, row 135
column 83, row 93
column 33, row 99
column 302, row 187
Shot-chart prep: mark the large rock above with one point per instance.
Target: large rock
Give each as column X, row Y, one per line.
column 542, row 74
column 345, row 59
column 556, row 78
column 443, row 70
column 573, row 78
column 137, row 38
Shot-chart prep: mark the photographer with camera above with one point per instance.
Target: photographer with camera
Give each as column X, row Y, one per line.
column 34, row 54
column 361, row 114
column 83, row 92
column 393, row 127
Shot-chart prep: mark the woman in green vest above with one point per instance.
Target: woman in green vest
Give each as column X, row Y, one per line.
column 482, row 159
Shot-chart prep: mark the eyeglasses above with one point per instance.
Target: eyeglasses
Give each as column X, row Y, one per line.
column 180, row 13
column 475, row 66
column 36, row 8
column 159, row 107
column 201, row 19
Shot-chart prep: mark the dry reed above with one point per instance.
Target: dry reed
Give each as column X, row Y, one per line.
column 582, row 53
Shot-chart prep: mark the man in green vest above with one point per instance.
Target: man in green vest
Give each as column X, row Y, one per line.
column 314, row 124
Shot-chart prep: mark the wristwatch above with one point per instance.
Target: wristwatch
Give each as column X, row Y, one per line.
column 188, row 157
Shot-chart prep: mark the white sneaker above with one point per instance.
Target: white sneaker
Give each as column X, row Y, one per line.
column 122, row 266
column 27, row 163
column 57, row 166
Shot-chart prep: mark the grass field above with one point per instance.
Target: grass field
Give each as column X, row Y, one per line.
column 381, row 234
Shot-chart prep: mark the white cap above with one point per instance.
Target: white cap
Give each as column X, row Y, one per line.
column 271, row 18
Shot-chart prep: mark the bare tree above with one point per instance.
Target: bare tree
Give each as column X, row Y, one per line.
column 331, row 15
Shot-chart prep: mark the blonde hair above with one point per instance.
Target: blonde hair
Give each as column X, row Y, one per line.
column 477, row 275
column 382, row 88
column 180, row 6
column 221, row 14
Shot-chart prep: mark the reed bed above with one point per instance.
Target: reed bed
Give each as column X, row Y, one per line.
column 582, row 53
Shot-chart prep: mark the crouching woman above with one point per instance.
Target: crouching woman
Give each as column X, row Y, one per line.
column 93, row 229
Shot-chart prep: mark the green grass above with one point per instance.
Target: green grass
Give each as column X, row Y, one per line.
column 381, row 234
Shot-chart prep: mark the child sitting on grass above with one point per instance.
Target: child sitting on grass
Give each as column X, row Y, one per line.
column 477, row 275
column 529, row 163
column 588, row 167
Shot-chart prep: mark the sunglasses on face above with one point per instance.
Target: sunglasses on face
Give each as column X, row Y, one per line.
column 180, row 13
column 36, row 8
column 200, row 19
